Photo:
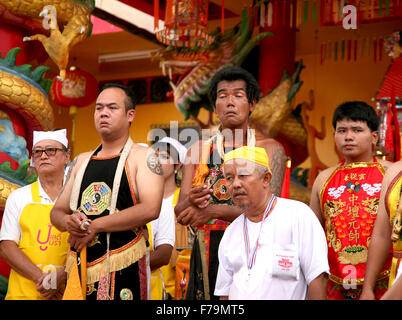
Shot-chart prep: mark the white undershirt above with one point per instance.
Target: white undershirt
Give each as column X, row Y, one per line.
column 16, row 202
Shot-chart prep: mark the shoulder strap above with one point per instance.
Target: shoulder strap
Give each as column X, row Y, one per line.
column 75, row 192
column 113, row 201
column 119, row 173
column 35, row 192
column 176, row 197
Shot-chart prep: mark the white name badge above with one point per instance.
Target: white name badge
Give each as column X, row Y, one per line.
column 285, row 263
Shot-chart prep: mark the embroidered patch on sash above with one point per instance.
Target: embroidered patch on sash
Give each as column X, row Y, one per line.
column 353, row 254
column 96, row 198
column 221, row 190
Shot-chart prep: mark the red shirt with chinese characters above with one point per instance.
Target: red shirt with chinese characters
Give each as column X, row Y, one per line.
column 349, row 201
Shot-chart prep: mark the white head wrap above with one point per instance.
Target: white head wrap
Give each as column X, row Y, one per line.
column 182, row 150
column 58, row 135
column 143, row 144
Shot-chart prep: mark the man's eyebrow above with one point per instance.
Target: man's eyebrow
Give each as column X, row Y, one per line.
column 235, row 89
column 45, row 147
column 243, row 171
column 105, row 104
column 353, row 127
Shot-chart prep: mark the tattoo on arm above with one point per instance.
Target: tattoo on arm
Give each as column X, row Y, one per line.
column 277, row 163
column 154, row 164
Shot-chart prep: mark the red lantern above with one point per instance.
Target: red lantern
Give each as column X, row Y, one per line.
column 185, row 23
column 79, row 88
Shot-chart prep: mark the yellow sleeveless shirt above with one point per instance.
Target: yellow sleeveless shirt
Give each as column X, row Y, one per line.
column 392, row 199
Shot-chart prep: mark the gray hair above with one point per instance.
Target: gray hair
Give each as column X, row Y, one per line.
column 261, row 170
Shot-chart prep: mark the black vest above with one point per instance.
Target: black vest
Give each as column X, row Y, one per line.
column 94, row 201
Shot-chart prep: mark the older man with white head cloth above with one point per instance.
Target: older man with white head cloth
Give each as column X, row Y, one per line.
column 276, row 249
column 30, row 244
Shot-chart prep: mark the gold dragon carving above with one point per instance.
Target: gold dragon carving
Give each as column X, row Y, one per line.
column 73, row 15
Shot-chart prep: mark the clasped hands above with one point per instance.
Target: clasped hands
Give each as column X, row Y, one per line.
column 81, row 230
column 196, row 214
column 51, row 285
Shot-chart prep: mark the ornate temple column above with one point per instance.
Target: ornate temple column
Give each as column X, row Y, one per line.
column 277, row 52
column 11, row 37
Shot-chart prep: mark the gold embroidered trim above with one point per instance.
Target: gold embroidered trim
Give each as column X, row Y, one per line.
column 357, row 282
column 353, row 255
column 118, row 261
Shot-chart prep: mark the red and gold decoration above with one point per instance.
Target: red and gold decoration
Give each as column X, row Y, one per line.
column 349, row 202
column 78, row 89
column 389, row 100
column 185, row 23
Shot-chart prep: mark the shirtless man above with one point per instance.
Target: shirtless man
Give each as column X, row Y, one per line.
column 114, row 241
column 204, row 201
column 345, row 200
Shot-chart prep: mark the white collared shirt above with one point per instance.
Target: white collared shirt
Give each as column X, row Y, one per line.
column 291, row 224
column 16, row 202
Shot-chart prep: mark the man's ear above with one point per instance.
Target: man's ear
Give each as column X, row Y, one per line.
column 68, row 156
column 252, row 106
column 375, row 135
column 267, row 178
column 131, row 115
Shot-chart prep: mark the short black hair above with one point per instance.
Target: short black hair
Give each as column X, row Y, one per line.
column 130, row 101
column 234, row 73
column 356, row 111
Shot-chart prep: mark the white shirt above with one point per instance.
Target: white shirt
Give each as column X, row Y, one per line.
column 163, row 228
column 16, row 202
column 291, row 225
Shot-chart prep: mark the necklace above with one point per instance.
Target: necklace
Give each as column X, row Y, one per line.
column 251, row 256
column 220, row 138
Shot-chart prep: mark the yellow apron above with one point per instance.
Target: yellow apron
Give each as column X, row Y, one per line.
column 163, row 279
column 41, row 242
column 392, row 200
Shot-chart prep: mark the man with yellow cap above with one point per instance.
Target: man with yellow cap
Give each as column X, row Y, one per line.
column 204, row 202
column 276, row 249
column 31, row 245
